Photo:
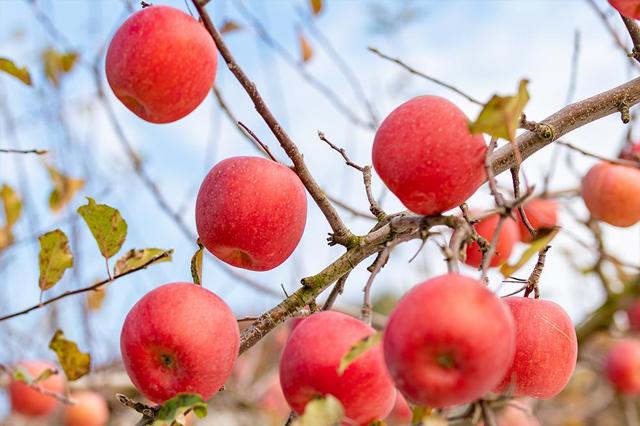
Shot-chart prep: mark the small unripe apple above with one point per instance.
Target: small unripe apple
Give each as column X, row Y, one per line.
column 633, row 314
column 611, row 192
column 28, row 401
column 628, row 8
column 179, row 338
column 161, row 64
column 546, row 348
column 508, row 237
column 401, row 413
column 426, row 155
column 310, row 361
column 90, row 409
column 448, row 341
column 622, row 365
column 542, row 214
column 251, row 212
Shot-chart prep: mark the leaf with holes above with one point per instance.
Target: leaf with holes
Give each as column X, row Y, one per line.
column 136, row 258
column 542, row 240
column 64, row 189
column 500, row 116
column 360, row 348
column 12, row 205
column 107, row 226
column 325, row 411
column 54, row 259
column 75, row 364
column 196, row 264
column 316, row 6
column 306, row 51
column 179, row 404
column 56, row 64
column 21, row 73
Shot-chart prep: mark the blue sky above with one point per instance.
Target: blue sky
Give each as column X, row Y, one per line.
column 481, row 46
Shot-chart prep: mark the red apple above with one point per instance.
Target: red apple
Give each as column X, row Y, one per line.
column 542, row 214
column 251, row 212
column 401, row 414
column 179, row 338
column 273, row 403
column 508, row 237
column 612, row 193
column 90, row 409
column 622, row 365
column 633, row 313
column 425, row 154
column 448, row 341
column 161, row 64
column 628, row 8
column 515, row 414
column 309, row 368
column 546, row 348
column 28, row 401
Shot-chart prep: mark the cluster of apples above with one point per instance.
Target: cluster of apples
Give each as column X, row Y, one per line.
column 89, row 408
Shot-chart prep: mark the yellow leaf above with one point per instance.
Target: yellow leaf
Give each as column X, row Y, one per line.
column 316, row 6
column 536, row 245
column 95, row 298
column 305, row 48
column 136, row 258
column 64, row 189
column 358, row 349
column 229, row 26
column 12, row 69
column 6, row 238
column 12, row 205
column 54, row 258
column 108, row 227
column 74, row 363
column 56, row 64
column 325, row 411
column 196, row 264
column 501, row 115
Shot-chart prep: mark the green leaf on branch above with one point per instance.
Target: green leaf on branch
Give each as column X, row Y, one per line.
column 543, row 238
column 64, row 189
column 75, row 364
column 325, row 411
column 178, row 405
column 196, row 264
column 107, row 226
column 56, row 64
column 21, row 73
column 500, row 116
column 136, row 258
column 357, row 350
column 54, row 259
column 12, row 205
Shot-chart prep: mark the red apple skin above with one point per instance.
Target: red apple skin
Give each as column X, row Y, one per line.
column 90, row 410
column 309, row 368
column 612, row 194
column 546, row 348
column 179, row 338
column 508, row 237
column 633, row 313
column 448, row 341
column 401, row 414
column 251, row 212
column 161, row 64
column 541, row 213
column 425, row 154
column 628, row 8
column 622, row 364
column 29, row 402
column 273, row 403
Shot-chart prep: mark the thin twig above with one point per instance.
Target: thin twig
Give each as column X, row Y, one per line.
column 257, row 140
column 374, row 269
column 617, row 161
column 23, row 151
column 341, row 151
column 534, row 278
column 634, row 33
column 335, row 292
column 35, row 386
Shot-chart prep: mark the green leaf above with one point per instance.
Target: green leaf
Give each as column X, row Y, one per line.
column 106, row 225
column 64, row 189
column 12, row 205
column 21, row 374
column 325, row 411
column 179, row 404
column 196, row 264
column 136, row 258
column 500, row 116
column 358, row 349
column 12, row 69
column 56, row 64
column 74, row 363
column 542, row 240
column 44, row 375
column 54, row 259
